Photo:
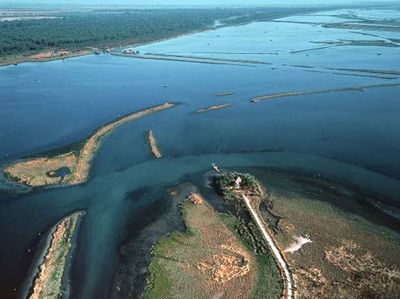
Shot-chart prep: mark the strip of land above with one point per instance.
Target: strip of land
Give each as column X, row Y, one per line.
column 320, row 91
column 75, row 165
column 115, row 28
column 48, row 281
column 214, row 107
column 153, row 145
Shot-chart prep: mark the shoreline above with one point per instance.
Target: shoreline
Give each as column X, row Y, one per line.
column 8, row 61
column 25, row 59
column 72, row 167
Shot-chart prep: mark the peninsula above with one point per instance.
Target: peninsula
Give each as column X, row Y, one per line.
column 73, row 167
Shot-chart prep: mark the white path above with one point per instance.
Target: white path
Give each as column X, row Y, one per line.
column 275, row 250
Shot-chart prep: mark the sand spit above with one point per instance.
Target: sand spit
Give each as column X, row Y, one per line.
column 224, row 94
column 296, row 246
column 311, row 92
column 48, row 280
column 153, row 145
column 214, row 107
column 44, row 171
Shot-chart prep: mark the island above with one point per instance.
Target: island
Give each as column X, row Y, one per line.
column 70, row 168
column 50, row 277
column 153, row 145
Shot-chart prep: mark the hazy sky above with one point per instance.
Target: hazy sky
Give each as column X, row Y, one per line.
column 197, row 2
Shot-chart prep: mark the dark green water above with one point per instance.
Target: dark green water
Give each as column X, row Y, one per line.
column 348, row 137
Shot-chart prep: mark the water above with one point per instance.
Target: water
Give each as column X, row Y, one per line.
column 348, row 137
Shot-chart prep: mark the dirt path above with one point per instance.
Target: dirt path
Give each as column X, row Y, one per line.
column 275, row 250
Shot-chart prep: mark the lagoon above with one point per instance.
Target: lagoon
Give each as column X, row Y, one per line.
column 348, row 137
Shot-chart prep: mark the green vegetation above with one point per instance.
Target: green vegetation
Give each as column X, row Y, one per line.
column 202, row 261
column 244, row 225
column 158, row 283
column 224, row 181
column 267, row 284
column 108, row 28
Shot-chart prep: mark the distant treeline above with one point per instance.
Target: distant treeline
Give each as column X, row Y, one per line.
column 111, row 28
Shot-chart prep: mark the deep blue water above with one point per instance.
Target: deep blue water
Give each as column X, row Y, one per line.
column 350, row 137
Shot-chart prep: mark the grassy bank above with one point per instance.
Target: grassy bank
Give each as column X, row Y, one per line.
column 193, row 264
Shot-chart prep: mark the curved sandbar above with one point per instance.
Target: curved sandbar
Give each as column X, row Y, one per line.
column 214, row 107
column 44, row 171
column 48, row 282
column 153, row 145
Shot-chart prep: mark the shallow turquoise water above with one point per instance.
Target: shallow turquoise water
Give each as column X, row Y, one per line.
column 348, row 137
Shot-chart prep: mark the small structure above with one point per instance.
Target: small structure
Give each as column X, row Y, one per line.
column 215, row 167
column 238, row 181
column 130, row 52
column 195, row 198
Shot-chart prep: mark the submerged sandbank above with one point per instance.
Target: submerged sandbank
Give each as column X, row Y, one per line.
column 214, row 107
column 321, row 91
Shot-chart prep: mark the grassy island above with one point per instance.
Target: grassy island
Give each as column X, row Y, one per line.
column 48, row 281
column 73, row 167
